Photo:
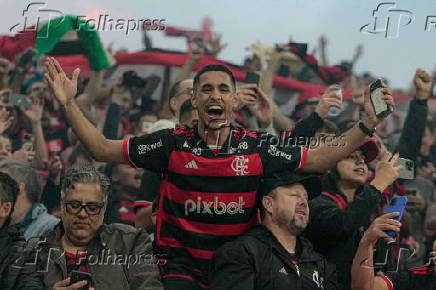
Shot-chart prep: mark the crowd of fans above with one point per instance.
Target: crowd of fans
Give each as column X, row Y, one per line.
column 210, row 187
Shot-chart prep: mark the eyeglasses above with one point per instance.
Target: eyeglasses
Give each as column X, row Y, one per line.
column 74, row 207
column 185, row 91
column 7, row 108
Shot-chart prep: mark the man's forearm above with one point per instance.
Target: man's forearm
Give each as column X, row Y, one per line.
column 268, row 75
column 185, row 72
column 89, row 136
column 362, row 270
column 326, row 156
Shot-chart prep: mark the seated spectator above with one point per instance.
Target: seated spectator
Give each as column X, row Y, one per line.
column 346, row 206
column 125, row 186
column 179, row 93
column 16, row 268
column 363, row 266
column 29, row 214
column 82, row 238
column 273, row 255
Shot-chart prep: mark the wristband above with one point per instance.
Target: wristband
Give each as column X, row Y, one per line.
column 365, row 130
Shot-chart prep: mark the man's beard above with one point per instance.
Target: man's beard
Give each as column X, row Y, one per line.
column 294, row 226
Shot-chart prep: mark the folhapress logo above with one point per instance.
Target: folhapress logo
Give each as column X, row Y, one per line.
column 388, row 20
column 34, row 14
column 214, row 207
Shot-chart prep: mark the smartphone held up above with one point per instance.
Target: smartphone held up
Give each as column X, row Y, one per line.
column 381, row 109
column 334, row 111
column 397, row 204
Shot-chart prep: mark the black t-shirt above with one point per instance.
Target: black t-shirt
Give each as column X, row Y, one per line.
column 149, row 189
column 415, row 278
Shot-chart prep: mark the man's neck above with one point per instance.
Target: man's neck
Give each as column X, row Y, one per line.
column 285, row 238
column 213, row 137
column 22, row 207
column 69, row 246
column 348, row 189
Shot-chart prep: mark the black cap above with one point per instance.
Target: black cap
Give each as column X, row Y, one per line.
column 311, row 182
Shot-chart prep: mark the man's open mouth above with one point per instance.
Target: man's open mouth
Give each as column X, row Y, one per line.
column 215, row 112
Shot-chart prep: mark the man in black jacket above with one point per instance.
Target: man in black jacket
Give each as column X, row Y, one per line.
column 273, row 255
column 18, row 269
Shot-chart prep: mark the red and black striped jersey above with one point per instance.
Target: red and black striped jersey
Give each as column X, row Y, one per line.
column 415, row 278
column 208, row 196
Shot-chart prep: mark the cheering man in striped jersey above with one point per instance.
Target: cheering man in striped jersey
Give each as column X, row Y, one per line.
column 213, row 169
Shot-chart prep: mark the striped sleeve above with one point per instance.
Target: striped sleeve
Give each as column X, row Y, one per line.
column 388, row 282
column 150, row 151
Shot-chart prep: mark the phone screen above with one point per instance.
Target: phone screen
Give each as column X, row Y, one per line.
column 252, row 78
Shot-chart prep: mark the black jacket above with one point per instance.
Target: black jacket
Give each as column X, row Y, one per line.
column 258, row 261
column 336, row 226
column 18, row 269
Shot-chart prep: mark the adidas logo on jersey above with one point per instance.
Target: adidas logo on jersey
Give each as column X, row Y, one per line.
column 283, row 271
column 191, row 164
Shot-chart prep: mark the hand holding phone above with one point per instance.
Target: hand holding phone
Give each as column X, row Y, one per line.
column 397, row 204
column 20, row 100
column 407, row 171
column 77, row 276
column 381, row 109
column 252, row 78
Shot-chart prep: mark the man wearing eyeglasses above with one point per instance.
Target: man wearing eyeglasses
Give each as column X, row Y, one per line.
column 179, row 93
column 111, row 256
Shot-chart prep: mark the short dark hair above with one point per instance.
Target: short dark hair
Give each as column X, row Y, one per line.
column 214, row 67
column 8, row 189
column 262, row 210
column 87, row 175
column 24, row 173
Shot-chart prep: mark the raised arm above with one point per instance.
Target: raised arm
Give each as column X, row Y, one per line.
column 281, row 122
column 362, row 270
column 64, row 89
column 413, row 129
column 325, row 156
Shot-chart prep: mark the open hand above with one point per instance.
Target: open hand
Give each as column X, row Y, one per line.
column 63, row 88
